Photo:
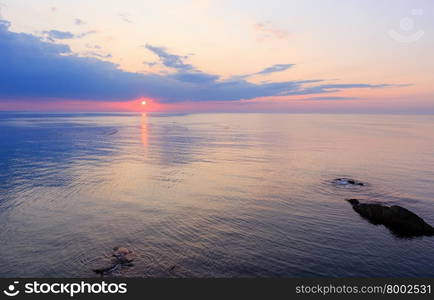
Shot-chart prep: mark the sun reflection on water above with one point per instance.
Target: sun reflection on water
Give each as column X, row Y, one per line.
column 144, row 129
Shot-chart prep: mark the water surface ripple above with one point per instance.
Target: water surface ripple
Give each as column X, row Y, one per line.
column 211, row 195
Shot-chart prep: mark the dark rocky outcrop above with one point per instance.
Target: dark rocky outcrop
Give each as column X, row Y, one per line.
column 121, row 256
column 347, row 181
column 398, row 220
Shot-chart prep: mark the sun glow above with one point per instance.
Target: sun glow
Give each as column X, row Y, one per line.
column 143, row 102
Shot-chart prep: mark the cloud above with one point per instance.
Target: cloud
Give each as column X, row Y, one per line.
column 269, row 70
column 267, row 31
column 276, row 68
column 58, row 35
column 93, row 53
column 36, row 70
column 195, row 77
column 53, row 35
column 332, row 98
column 93, row 46
column 331, row 88
column 188, row 73
column 83, row 34
column 170, row 60
column 79, row 22
column 150, row 64
column 125, row 17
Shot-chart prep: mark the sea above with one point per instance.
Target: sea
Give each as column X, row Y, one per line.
column 212, row 195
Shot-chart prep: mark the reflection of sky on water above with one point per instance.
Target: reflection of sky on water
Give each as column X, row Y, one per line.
column 34, row 153
column 216, row 195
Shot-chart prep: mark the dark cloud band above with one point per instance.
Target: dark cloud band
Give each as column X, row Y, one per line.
column 32, row 69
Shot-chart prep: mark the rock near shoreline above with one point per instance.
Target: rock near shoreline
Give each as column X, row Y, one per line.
column 399, row 220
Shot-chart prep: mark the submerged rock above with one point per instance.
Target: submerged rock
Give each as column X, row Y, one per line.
column 121, row 256
column 347, row 181
column 398, row 220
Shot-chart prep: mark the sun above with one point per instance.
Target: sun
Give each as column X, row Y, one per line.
column 143, row 102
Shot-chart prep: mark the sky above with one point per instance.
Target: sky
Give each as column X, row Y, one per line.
column 217, row 55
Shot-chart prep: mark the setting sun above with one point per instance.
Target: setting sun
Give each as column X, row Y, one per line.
column 143, row 102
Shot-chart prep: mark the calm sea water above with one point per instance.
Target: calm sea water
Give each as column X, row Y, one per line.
column 211, row 195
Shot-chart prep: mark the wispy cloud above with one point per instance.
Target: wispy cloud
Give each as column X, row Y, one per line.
column 332, row 98
column 83, row 34
column 275, row 68
column 58, row 35
column 266, row 30
column 126, row 17
column 93, row 46
column 79, row 22
column 332, row 88
column 269, row 70
column 170, row 60
column 53, row 35
column 96, row 54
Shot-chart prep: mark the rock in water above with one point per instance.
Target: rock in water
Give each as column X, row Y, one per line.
column 347, row 181
column 121, row 257
column 397, row 219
